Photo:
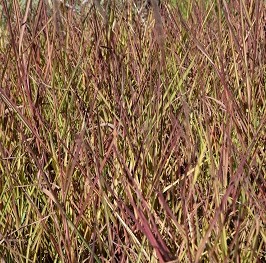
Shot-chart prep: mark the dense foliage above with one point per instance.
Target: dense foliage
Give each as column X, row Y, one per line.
column 133, row 139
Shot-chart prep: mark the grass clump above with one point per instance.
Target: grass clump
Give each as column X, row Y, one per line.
column 131, row 140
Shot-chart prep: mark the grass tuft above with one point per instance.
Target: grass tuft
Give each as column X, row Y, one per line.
column 125, row 139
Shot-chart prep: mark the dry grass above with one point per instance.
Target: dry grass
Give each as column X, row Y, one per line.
column 129, row 142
